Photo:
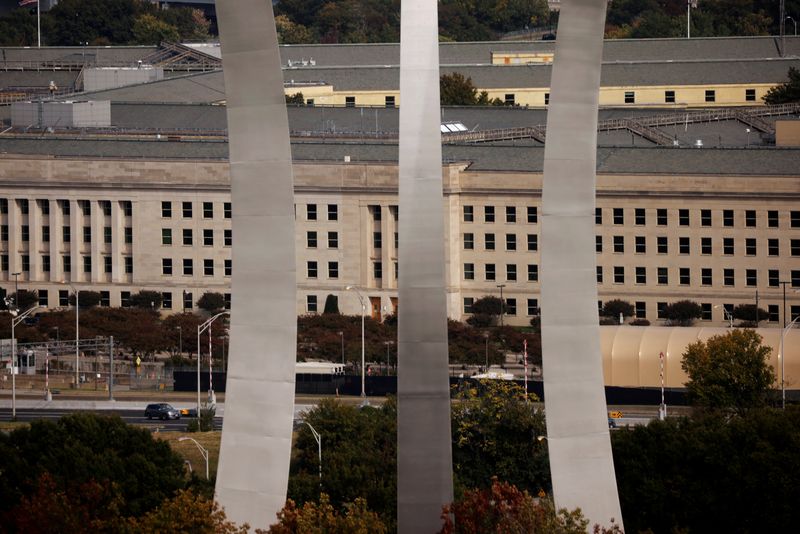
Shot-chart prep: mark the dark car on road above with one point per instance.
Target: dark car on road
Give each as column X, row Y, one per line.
column 161, row 410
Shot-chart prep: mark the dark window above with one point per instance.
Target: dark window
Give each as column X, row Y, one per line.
column 105, row 205
column 684, row 276
column 533, row 242
column 333, row 239
column 227, row 236
column 187, row 210
column 67, row 261
column 727, row 217
column 751, row 277
column 311, row 303
column 511, row 214
column 619, row 243
column 773, row 310
column 619, row 274
column 533, row 215
column 166, row 266
column 208, row 237
column 546, row 99
column 388, row 101
column 772, row 218
column 661, row 310
column 727, row 277
column 188, row 267
column 469, row 271
column 45, row 263
column 469, row 214
column 727, row 246
column 128, row 264
column 128, row 235
column 44, row 206
column 469, row 241
column 511, row 306
column 377, row 240
column 26, row 263
column 705, row 217
column 488, row 214
column 705, row 245
column 772, row 247
column 706, row 276
column 311, row 269
column 188, row 301
column 533, row 272
column 107, row 236
column 598, row 243
column 64, row 206
column 661, row 243
column 166, row 300
column 311, row 212
column 65, row 234
column 639, row 216
column 350, row 101
column 641, row 244
column 208, row 210
column 750, row 218
column 641, row 309
column 511, row 272
column 794, row 219
column 773, row 278
column 377, row 270
column 509, row 99
column 683, row 217
column 3, row 206
column 705, row 311
column 661, row 217
column 228, row 267
column 166, row 209
column 489, row 270
column 333, row 212
column 44, row 297
column 630, row 97
column 125, row 299
column 87, row 234
column 25, row 233
column 669, row 97
column 599, row 274
column 87, row 264
column 663, row 276
column 711, row 95
column 468, row 304
column 187, row 236
column 84, row 205
column 795, row 278
column 4, row 232
column 750, row 95
column 488, row 240
column 208, row 267
column 226, row 210
column 795, row 247
column 511, row 241
column 533, row 306
column 641, row 275
column 107, row 264
column 750, row 246
column 619, row 216
column 598, row 215
column 396, row 240
column 684, row 245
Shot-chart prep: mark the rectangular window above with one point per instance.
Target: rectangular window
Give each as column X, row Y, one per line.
column 227, row 237
column 773, row 313
column 125, row 299
column 87, row 234
column 750, row 246
column 188, row 301
column 669, row 97
column 683, row 217
column 684, row 275
column 619, row 274
column 67, row 264
column 228, row 267
column 44, row 297
column 208, row 237
column 488, row 214
column 727, row 246
column 795, row 247
column 166, row 300
column 469, row 271
column 599, row 274
column 25, row 233
column 311, row 304
column 87, row 264
column 187, row 210
column 388, row 101
column 208, row 210
column 511, row 272
column 377, row 240
column 469, row 215
column 772, row 218
column 705, row 217
column 128, row 264
column 705, row 246
column 187, row 236
column 772, row 247
column 750, row 218
column 4, row 232
column 226, row 210
column 396, row 240
column 3, row 206
column 794, row 219
column 641, row 244
column 107, row 264
column 750, row 95
column 663, row 276
column 166, row 209
column 489, row 270
column 65, row 234
column 639, row 216
column 63, row 297
column 705, row 311
column 727, row 277
column 469, row 241
column 84, row 205
column 107, row 237
column 705, row 276
column 795, row 278
column 533, row 242
column 468, row 304
column 350, row 101
column 547, row 99
column 533, row 215
column 45, row 263
column 376, row 213
column 333, row 239
column 661, row 243
column 511, row 306
column 751, row 277
column 727, row 217
column 333, row 212
column 684, row 245
column 45, row 234
column 511, row 241
column 509, row 99
column 65, row 209
column 630, row 97
column 598, row 216
column 311, row 269
column 598, row 243
column 533, row 306
column 208, row 267
column 488, row 240
column 773, row 278
column 619, row 216
column 533, row 272
column 711, row 95
column 661, row 310
column 377, row 270
column 661, row 217
column 105, row 205
column 311, row 239
column 333, row 270
column 188, row 267
column 128, row 235
column 511, row 214
column 26, row 263
column 311, row 212
column 641, row 309
column 641, row 275
column 166, row 266
column 619, row 244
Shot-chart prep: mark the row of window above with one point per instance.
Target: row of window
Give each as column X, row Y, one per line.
column 188, row 267
column 125, row 299
column 640, row 216
column 710, row 96
column 187, row 209
column 66, row 233
column 684, row 245
column 187, row 236
column 490, row 272
column 312, row 213
column 23, row 205
column 66, row 263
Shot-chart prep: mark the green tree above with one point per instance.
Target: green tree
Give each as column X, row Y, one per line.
column 290, row 32
column 786, row 92
column 749, row 313
column 191, row 24
column 149, row 30
column 323, row 517
column 87, row 299
column 455, row 90
column 186, row 512
column 613, row 308
column 22, row 300
column 729, row 372
column 485, row 311
column 148, row 300
column 682, row 313
column 211, row 302
column 295, row 99
column 494, row 434
column 331, row 304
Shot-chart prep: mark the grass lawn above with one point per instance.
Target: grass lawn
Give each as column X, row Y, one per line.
column 189, row 451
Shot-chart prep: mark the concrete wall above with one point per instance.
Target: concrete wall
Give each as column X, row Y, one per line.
column 100, row 78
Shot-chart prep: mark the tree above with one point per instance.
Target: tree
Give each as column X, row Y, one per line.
column 331, row 305
column 485, row 311
column 356, row 519
column 295, row 99
column 211, row 302
column 24, row 300
column 616, row 307
column 729, row 372
column 86, row 299
column 290, row 32
column 455, row 90
column 148, row 300
column 786, row 92
column 186, row 512
column 494, row 434
column 749, row 313
column 682, row 313
column 148, row 30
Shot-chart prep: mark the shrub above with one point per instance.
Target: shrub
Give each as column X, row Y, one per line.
column 614, row 307
column 682, row 313
column 211, row 302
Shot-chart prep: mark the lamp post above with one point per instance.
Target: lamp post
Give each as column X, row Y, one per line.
column 77, row 334
column 203, row 450
column 795, row 24
column 16, row 287
column 180, row 340
column 783, row 283
column 363, row 371
column 318, row 439
column 16, row 318
column 341, row 336
column 486, row 337
column 780, row 356
column 726, row 313
column 502, row 303
column 689, row 5
column 200, row 329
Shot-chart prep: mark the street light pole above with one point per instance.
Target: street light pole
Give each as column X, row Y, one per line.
column 200, row 329
column 318, row 438
column 16, row 318
column 784, row 302
column 363, row 371
column 726, row 314
column 486, row 337
column 180, row 341
column 77, row 333
column 502, row 303
column 781, row 357
column 203, row 450
column 341, row 336
column 795, row 24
